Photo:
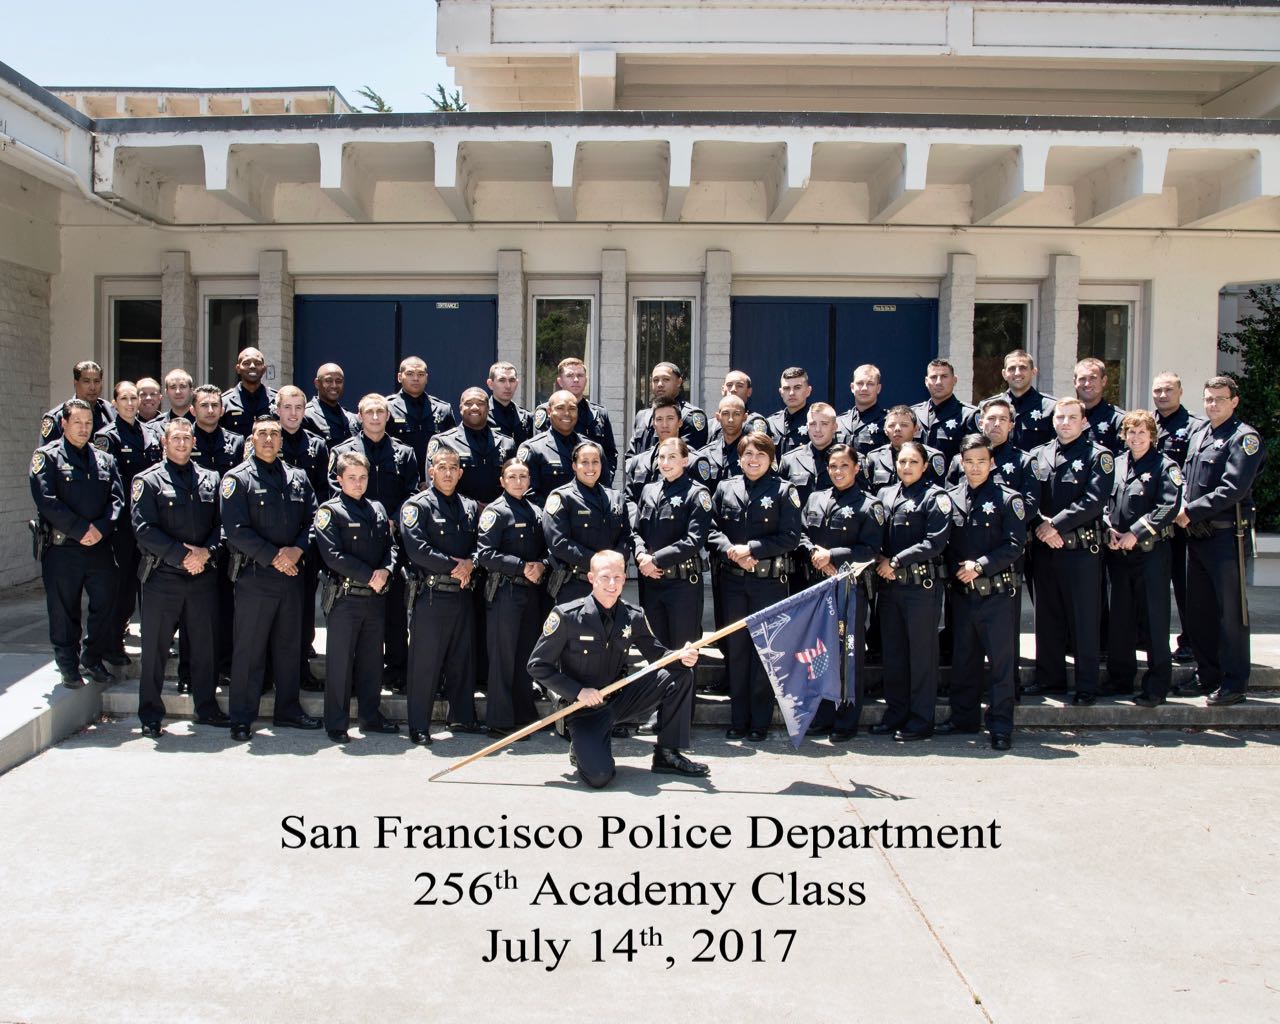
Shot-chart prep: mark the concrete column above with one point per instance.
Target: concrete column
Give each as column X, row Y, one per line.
column 955, row 316
column 511, row 306
column 275, row 315
column 716, row 324
column 178, row 316
column 609, row 378
column 1059, row 325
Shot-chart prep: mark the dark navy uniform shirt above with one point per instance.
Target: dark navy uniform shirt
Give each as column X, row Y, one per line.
column 266, row 507
column 75, row 488
column 353, row 538
column 436, row 529
column 510, row 535
column 1146, row 494
column 305, row 451
column 593, row 425
column 880, row 468
column 988, row 526
column 219, row 449
column 917, row 522
column 51, row 422
column 481, row 453
column 510, row 419
column 1104, row 427
column 415, row 421
column 578, row 521
column 806, row 468
column 671, row 521
column 1075, row 482
column 943, row 426
column 789, row 429
column 693, row 428
column 1222, row 464
column 549, row 457
column 393, row 470
column 174, row 506
column 863, row 430
column 240, row 407
column 642, row 470
column 581, row 646
column 722, row 459
column 752, row 422
column 1032, row 418
column 764, row 514
column 1174, row 431
column 848, row 523
column 132, row 445
column 331, row 422
column 1010, row 468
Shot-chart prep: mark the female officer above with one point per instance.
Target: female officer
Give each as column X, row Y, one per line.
column 512, row 549
column 842, row 524
column 581, row 518
column 756, row 527
column 669, row 532
column 918, row 522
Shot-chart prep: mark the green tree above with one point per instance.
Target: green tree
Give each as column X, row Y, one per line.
column 1256, row 342
column 446, row 101
column 376, row 104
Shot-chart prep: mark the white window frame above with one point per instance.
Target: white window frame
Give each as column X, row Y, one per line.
column 563, row 288
column 1133, row 295
column 219, row 288
column 671, row 291
column 109, row 290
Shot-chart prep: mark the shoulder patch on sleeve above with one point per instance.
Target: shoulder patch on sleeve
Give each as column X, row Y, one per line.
column 540, row 419
column 1175, row 474
column 704, row 470
column 944, row 503
column 323, row 516
column 409, row 514
column 433, row 446
column 1250, row 443
column 248, row 450
column 939, row 465
column 37, row 462
column 523, row 453
column 135, row 492
column 704, row 500
column 794, row 496
column 699, row 421
column 102, row 444
column 553, row 504
column 1108, row 463
column 877, row 510
column 46, row 426
column 228, row 486
column 1019, row 508
column 487, row 518
column 552, row 624
column 333, row 459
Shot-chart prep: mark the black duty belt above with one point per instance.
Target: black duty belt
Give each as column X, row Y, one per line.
column 1088, row 537
column 766, row 568
column 59, row 539
column 353, row 588
column 515, row 581
column 984, row 586
column 922, row 574
column 435, row 581
column 1148, row 543
column 689, row 570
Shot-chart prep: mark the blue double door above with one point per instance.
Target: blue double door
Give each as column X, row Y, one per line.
column 368, row 336
column 829, row 338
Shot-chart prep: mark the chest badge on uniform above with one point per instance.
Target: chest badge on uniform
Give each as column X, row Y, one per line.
column 488, row 518
column 1108, row 463
column 626, row 632
column 1077, row 465
column 1250, row 444
column 1036, row 414
column 704, row 500
column 677, row 501
column 952, row 424
column 409, row 515
column 553, row 504
column 1007, row 469
column 1019, row 509
column 988, row 507
column 944, row 503
column 766, row 503
column 1145, row 478
column 228, row 487
column 323, row 516
column 552, row 624
column 37, row 462
column 135, row 492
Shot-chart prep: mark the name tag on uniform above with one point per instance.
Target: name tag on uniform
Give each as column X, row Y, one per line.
column 586, row 638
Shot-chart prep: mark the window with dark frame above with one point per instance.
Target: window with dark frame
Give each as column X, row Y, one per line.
column 562, row 329
column 998, row 329
column 1104, row 331
column 232, row 325
column 135, row 341
column 664, row 333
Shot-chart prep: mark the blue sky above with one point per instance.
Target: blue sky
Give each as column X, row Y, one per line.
column 390, row 45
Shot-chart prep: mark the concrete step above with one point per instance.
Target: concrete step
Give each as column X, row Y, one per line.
column 712, row 710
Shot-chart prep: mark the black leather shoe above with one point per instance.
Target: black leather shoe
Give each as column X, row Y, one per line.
column 393, row 681
column 757, row 735
column 1113, row 690
column 219, row 720
column 1221, row 698
column 1000, row 742
column 310, row 683
column 117, row 658
column 1184, row 655
column 910, row 735
column 468, row 727
column 422, row 739
column 1041, row 689
column 1143, row 701
column 71, row 678
column 339, row 736
column 1085, row 699
column 97, row 671
column 669, row 761
column 735, row 734
column 152, row 729
column 882, row 729
column 840, row 736
column 240, row 733
column 382, row 726
column 949, row 728
column 184, row 686
column 301, row 722
column 1193, row 688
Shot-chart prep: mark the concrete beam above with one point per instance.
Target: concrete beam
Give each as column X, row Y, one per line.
column 679, row 176
column 230, row 175
column 564, row 154
column 597, row 80
column 454, row 179
column 1253, row 181
column 1130, row 179
column 897, row 181
column 344, row 181
column 1257, row 97
column 1008, row 183
column 125, row 178
column 790, row 179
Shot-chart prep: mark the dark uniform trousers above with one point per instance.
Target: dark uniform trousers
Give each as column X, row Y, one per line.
column 268, row 618
column 668, row 691
column 127, row 556
column 750, row 695
column 1140, row 609
column 673, row 608
column 1214, row 612
column 984, row 625
column 443, row 642
column 515, row 616
column 908, row 625
column 1068, row 595
column 353, row 659
column 69, row 570
column 173, row 599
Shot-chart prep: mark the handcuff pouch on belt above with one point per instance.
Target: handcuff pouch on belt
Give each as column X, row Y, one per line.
column 984, row 586
column 687, row 570
column 1086, row 537
column 922, row 574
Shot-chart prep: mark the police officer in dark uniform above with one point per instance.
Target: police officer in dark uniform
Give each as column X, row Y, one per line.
column 806, row 465
column 353, row 540
column 581, row 518
column 721, row 452
column 1102, row 419
column 944, row 419
column 863, row 425
column 79, row 500
column 149, row 397
column 512, row 550
column 267, row 510
column 843, row 524
column 416, row 417
column 306, row 451
column 755, row 532
column 667, row 382
column 988, row 533
column 592, row 423
column 917, row 524
column 179, row 389
column 87, row 377
column 127, row 440
column 585, row 645
column 1145, row 498
column 789, row 426
column 1175, row 425
column 177, row 522
column 504, row 415
column 1224, row 458
column 481, row 449
column 1032, row 411
column 738, row 384
column 880, row 465
column 438, row 531
column 1075, row 477
column 642, row 469
column 393, row 478
column 325, row 415
column 250, row 399
column 549, row 455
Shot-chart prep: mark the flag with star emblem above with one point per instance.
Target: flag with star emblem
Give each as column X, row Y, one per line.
column 799, row 642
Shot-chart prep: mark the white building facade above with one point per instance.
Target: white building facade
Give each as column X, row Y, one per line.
column 741, row 184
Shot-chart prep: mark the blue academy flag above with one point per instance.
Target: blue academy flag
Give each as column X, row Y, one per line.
column 798, row 640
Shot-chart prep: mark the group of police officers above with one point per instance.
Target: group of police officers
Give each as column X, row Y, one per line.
column 493, row 550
